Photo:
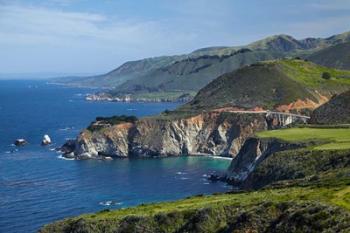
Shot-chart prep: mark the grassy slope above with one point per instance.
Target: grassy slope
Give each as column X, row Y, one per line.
column 270, row 83
column 336, row 56
column 303, row 190
column 127, row 71
column 330, row 138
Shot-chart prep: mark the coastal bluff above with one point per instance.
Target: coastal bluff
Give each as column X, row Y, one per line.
column 220, row 133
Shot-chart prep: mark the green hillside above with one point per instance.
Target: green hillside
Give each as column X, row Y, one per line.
column 326, row 138
column 127, row 71
column 271, row 84
column 193, row 73
column 337, row 56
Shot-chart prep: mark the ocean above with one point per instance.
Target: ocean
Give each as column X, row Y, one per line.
column 38, row 186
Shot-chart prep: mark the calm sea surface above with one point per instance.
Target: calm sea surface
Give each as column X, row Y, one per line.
column 38, row 187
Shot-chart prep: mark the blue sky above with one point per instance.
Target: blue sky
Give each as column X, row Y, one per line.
column 86, row 36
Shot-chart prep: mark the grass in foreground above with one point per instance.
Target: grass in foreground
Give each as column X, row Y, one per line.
column 328, row 138
column 314, row 202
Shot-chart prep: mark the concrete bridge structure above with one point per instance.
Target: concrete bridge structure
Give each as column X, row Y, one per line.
column 278, row 119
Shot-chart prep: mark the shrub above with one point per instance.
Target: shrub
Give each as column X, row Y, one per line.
column 114, row 120
column 326, row 75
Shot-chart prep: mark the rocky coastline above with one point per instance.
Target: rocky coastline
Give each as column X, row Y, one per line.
column 210, row 133
column 103, row 96
column 252, row 153
column 215, row 133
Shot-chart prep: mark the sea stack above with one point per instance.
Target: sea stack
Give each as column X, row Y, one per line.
column 20, row 142
column 46, row 140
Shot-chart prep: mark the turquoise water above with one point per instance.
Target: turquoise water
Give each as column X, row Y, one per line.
column 38, row 187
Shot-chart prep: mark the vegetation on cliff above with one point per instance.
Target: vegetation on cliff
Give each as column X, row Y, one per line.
column 102, row 122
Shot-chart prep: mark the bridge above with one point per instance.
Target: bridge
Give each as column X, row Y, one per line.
column 277, row 118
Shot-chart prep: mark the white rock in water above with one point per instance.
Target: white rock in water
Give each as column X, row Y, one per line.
column 46, row 140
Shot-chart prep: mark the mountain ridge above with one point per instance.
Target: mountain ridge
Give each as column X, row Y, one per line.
column 149, row 70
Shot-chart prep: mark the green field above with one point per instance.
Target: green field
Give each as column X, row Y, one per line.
column 327, row 138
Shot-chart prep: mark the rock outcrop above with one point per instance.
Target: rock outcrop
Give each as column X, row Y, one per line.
column 336, row 111
column 252, row 153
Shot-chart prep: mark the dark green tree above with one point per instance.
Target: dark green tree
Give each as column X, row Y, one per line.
column 326, row 75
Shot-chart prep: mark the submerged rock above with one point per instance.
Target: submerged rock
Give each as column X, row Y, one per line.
column 46, row 140
column 20, row 142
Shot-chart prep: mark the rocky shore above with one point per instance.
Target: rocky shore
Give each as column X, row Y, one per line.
column 219, row 133
column 131, row 98
column 211, row 133
column 252, row 153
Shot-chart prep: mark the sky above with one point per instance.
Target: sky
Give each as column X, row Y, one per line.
column 89, row 36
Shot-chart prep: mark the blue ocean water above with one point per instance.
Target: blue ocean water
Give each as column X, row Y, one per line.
column 38, row 187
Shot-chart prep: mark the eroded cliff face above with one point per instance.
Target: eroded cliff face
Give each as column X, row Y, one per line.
column 211, row 133
column 252, row 153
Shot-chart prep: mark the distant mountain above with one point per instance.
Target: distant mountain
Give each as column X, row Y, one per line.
column 336, row 111
column 337, row 56
column 188, row 73
column 193, row 73
column 125, row 72
column 284, row 85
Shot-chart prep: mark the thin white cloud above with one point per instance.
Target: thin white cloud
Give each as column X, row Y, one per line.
column 31, row 25
column 51, row 35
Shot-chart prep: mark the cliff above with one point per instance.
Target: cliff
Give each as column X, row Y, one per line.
column 336, row 111
column 208, row 133
column 287, row 154
column 252, row 153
